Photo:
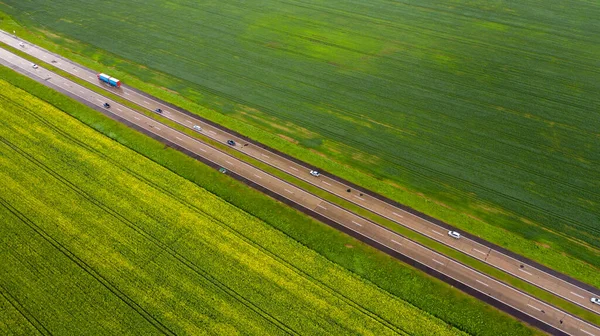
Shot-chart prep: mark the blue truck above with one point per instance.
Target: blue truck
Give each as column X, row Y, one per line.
column 109, row 80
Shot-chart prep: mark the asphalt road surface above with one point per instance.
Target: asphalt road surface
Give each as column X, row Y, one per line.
column 568, row 290
column 532, row 308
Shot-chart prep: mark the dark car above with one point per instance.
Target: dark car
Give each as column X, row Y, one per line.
column 231, row 142
column 158, row 110
column 107, row 105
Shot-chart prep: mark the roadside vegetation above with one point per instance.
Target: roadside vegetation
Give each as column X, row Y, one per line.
column 481, row 121
column 121, row 224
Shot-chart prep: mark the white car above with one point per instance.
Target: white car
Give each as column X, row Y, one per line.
column 314, row 173
column 595, row 300
column 454, row 234
column 197, row 128
column 35, row 66
column 22, row 44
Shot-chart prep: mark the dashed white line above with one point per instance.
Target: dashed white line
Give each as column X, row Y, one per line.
column 265, row 156
column 178, row 138
column 118, row 109
column 587, row 332
column 146, row 102
column 260, row 177
column 189, row 122
column 483, row 283
column 127, row 94
column 136, row 118
column 437, row 232
column 229, row 162
column 395, row 242
column 577, row 295
column 329, row 184
column 211, row 132
column 81, row 91
column 360, row 198
column 524, row 271
column 320, row 206
column 291, row 192
column 294, row 168
column 536, row 308
column 357, row 223
column 397, row 214
column 158, row 128
column 204, row 150
column 479, row 251
column 439, row 262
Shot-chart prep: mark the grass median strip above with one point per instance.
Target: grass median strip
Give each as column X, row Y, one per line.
column 399, row 280
column 467, row 260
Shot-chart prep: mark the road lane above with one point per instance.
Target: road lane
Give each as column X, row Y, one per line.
column 371, row 231
column 543, row 279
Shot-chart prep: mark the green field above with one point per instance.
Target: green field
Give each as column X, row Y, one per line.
column 482, row 113
column 95, row 237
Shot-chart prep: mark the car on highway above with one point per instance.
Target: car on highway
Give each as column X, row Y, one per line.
column 197, row 128
column 595, row 300
column 158, row 110
column 35, row 66
column 22, row 44
column 107, row 105
column 231, row 142
column 315, row 173
column 454, row 234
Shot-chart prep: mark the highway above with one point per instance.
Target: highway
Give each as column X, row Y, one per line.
column 370, row 231
column 568, row 290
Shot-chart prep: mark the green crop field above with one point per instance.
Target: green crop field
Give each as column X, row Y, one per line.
column 482, row 113
column 133, row 248
column 96, row 237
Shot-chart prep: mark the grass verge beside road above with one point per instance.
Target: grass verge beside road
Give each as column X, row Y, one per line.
column 408, row 284
column 556, row 250
column 467, row 260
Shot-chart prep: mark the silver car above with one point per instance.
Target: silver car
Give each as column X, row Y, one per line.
column 314, row 173
column 197, row 128
column 454, row 234
column 595, row 300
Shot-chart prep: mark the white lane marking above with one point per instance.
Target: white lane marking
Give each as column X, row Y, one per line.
column 357, row 223
column 483, row 283
column 118, row 109
column 136, row 118
column 158, row 128
column 577, row 295
column 439, row 262
column 536, row 308
column 100, row 100
column 360, row 198
column 146, row 102
column 257, row 176
column 397, row 214
column 587, row 332
column 291, row 192
column 211, row 132
column 320, row 206
column 229, row 162
column 436, row 232
column 127, row 94
column 395, row 242
column 265, row 156
column 524, row 271
column 81, row 91
column 329, row 184
column 189, row 122
column 76, row 70
column 294, row 168
column 178, row 138
column 204, row 150
column 479, row 251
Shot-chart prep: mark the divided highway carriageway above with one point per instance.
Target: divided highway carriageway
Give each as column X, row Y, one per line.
column 514, row 301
